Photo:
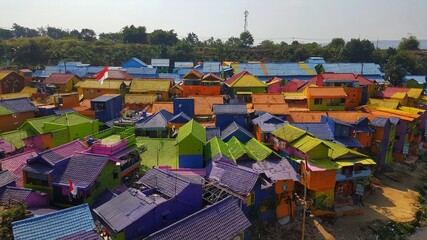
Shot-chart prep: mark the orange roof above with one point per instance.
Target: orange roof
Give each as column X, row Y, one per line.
column 157, row 106
column 211, row 77
column 376, row 113
column 327, row 92
column 268, row 98
column 347, row 116
column 193, row 74
column 305, row 117
column 203, row 104
column 84, row 105
column 278, row 108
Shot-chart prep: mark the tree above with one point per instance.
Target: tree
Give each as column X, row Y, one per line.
column 394, row 73
column 75, row 34
column 410, row 43
column 337, row 43
column 192, row 38
column 233, row 42
column 135, row 35
column 88, row 34
column 56, row 33
column 8, row 216
column 5, row 34
column 267, row 44
column 359, row 50
column 113, row 37
column 161, row 37
column 247, row 39
column 182, row 51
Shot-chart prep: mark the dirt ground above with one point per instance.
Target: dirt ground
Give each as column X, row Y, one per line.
column 394, row 198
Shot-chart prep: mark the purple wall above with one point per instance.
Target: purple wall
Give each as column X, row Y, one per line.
column 384, row 143
column 401, row 129
column 36, row 199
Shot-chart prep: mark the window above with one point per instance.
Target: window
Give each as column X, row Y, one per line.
column 115, row 174
column 251, row 199
column 317, row 101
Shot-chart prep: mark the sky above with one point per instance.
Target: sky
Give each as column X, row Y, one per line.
column 277, row 20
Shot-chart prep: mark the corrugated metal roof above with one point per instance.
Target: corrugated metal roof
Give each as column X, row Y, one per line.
column 140, row 98
column 17, row 105
column 157, row 62
column 276, row 169
column 359, row 68
column 320, row 130
column 211, row 67
column 150, row 85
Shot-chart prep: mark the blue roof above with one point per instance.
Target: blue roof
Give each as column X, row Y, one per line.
column 134, row 62
column 174, row 76
column 315, row 60
column 238, row 179
column 378, row 79
column 319, row 130
column 158, row 121
column 236, row 130
column 18, row 105
column 366, row 69
column 222, row 220
column 55, row 225
column 419, row 78
column 276, row 69
column 349, row 142
column 212, row 132
column 180, row 118
column 230, row 109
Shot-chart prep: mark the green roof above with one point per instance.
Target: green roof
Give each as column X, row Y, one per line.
column 15, row 137
column 36, row 124
column 289, row 133
column 4, row 111
column 324, row 163
column 216, row 146
column 306, row 143
column 258, row 151
column 236, row 148
column 337, row 151
column 351, row 162
column 192, row 128
column 70, row 119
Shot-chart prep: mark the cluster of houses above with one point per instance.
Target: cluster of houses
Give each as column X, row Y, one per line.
column 204, row 152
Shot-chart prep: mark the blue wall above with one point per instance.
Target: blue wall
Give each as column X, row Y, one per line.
column 185, row 105
column 222, row 121
column 112, row 110
column 190, row 161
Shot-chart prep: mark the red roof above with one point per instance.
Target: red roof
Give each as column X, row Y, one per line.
column 16, row 163
column 345, row 77
column 390, row 91
column 299, row 83
column 236, row 77
column 58, row 78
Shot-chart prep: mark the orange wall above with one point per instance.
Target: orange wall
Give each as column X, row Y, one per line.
column 10, row 123
column 354, row 96
column 365, row 138
column 320, row 180
column 98, row 92
column 258, row 133
column 200, row 90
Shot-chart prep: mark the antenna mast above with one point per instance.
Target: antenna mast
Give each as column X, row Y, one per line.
column 245, row 28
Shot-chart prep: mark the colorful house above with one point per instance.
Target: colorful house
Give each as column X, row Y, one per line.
column 139, row 101
column 271, row 103
column 326, row 98
column 278, row 85
column 209, row 223
column 11, row 82
column 6, row 148
column 134, row 63
column 71, row 223
column 155, row 126
column 237, row 131
column 64, row 82
column 190, row 140
column 27, row 74
column 243, row 85
column 14, row 164
column 297, row 101
column 155, row 86
column 195, row 83
column 383, row 139
column 107, row 107
column 30, row 198
column 342, row 132
column 13, row 112
column 405, row 96
column 264, row 125
column 225, row 114
column 92, row 88
column 203, row 106
column 176, row 91
column 414, row 81
column 162, row 199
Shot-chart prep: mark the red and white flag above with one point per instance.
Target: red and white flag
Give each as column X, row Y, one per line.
column 73, row 188
column 102, row 75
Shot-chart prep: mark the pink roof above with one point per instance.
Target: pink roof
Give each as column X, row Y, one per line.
column 6, row 146
column 16, row 163
column 299, row 83
column 57, row 154
column 345, row 76
column 58, row 78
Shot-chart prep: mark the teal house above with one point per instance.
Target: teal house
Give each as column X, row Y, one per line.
column 190, row 141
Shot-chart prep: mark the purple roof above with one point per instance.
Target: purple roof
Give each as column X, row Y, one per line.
column 126, row 208
column 82, row 169
column 235, row 178
column 57, row 154
column 267, row 118
column 349, row 142
column 222, row 220
column 320, row 130
column 157, row 121
column 14, row 194
column 16, row 163
column 6, row 146
column 6, row 178
column 18, row 105
column 276, row 170
column 168, row 183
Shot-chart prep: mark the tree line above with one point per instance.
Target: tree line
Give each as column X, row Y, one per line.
column 22, row 47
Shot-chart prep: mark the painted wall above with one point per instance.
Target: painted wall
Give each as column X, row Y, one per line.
column 334, row 104
column 93, row 93
column 10, row 123
column 401, row 134
column 12, row 83
column 354, row 97
column 222, row 121
column 188, row 90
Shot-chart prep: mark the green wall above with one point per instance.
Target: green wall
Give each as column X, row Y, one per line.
column 324, row 106
column 105, row 181
column 190, row 146
column 319, row 152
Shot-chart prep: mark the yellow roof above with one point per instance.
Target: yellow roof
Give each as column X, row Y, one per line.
column 29, row 90
column 399, row 95
column 15, row 95
column 140, row 98
column 142, row 85
column 412, row 109
column 108, row 84
column 415, row 92
column 398, row 112
column 351, row 162
column 390, row 103
column 3, row 74
column 294, row 95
